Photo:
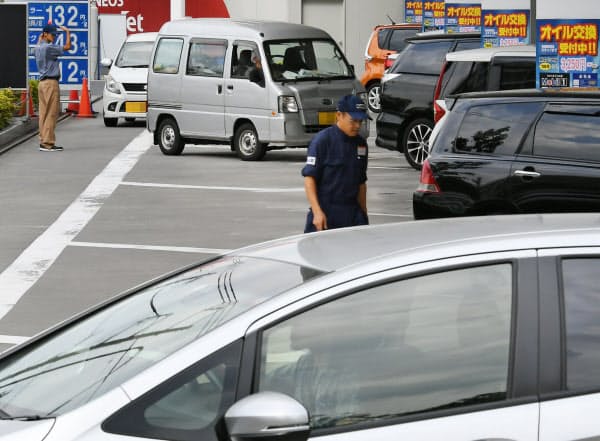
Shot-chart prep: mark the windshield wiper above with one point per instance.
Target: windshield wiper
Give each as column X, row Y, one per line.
column 476, row 399
column 134, row 65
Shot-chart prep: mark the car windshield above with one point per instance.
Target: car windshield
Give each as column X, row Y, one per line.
column 135, row 54
column 299, row 60
column 101, row 351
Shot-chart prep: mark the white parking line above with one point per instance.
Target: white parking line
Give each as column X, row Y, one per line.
column 149, row 247
column 33, row 262
column 211, row 187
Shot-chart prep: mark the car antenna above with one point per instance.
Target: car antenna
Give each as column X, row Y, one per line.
column 391, row 19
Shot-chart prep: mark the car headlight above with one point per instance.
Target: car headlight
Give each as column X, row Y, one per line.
column 288, row 104
column 112, row 85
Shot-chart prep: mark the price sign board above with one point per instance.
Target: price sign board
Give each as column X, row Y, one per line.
column 74, row 63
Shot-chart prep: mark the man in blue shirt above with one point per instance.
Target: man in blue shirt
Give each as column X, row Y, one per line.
column 46, row 57
column 335, row 174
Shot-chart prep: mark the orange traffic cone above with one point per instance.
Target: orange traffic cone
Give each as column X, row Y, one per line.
column 73, row 106
column 31, row 108
column 23, row 103
column 85, row 108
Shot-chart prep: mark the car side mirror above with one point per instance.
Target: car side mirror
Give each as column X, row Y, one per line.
column 106, row 62
column 268, row 416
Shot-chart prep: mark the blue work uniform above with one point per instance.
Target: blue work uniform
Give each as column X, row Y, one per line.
column 338, row 163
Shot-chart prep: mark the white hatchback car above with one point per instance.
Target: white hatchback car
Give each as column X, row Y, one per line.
column 125, row 94
column 482, row 328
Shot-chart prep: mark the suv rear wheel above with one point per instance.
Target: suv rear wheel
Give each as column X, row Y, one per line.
column 373, row 97
column 416, row 142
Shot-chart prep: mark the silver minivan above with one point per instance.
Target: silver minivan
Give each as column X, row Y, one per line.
column 201, row 89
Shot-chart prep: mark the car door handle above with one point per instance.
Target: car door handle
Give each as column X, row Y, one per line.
column 527, row 174
column 219, row 89
column 230, row 87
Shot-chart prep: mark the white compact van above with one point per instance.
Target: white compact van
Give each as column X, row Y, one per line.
column 124, row 94
column 203, row 86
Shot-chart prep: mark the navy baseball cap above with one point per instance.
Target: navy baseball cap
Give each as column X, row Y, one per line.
column 354, row 106
column 50, row 29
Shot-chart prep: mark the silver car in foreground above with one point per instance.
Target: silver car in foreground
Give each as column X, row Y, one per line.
column 462, row 329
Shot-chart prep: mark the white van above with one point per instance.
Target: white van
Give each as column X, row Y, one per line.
column 201, row 87
column 124, row 94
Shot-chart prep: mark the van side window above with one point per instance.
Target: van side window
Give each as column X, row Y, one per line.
column 206, row 58
column 517, row 75
column 241, row 58
column 564, row 135
column 168, row 54
column 495, row 128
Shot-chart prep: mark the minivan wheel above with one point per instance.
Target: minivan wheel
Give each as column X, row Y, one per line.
column 247, row 144
column 416, row 142
column 373, row 97
column 169, row 139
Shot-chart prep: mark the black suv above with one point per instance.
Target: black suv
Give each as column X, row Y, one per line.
column 406, row 117
column 527, row 151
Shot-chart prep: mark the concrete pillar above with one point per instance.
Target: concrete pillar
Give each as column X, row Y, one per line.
column 177, row 9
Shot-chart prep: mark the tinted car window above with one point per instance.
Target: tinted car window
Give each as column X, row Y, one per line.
column 563, row 135
column 398, row 39
column 464, row 45
column 382, row 38
column 432, row 342
column 466, row 76
column 422, row 57
column 495, row 128
column 581, row 285
column 517, row 76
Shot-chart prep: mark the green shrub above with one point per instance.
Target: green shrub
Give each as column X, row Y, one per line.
column 8, row 106
column 33, row 89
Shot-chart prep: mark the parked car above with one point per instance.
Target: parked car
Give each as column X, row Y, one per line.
column 478, row 70
column 467, row 328
column 526, row 151
column 406, row 117
column 197, row 95
column 384, row 41
column 125, row 94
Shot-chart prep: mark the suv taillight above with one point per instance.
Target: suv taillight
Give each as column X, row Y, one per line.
column 388, row 62
column 438, row 112
column 427, row 183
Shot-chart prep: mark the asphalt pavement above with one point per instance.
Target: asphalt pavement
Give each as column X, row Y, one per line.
column 110, row 212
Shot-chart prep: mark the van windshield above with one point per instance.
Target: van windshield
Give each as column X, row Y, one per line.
column 306, row 60
column 135, row 54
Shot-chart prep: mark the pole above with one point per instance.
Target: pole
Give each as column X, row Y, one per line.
column 93, row 55
column 533, row 26
column 177, row 9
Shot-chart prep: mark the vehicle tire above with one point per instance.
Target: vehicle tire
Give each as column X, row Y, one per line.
column 374, row 97
column 247, row 145
column 169, row 139
column 416, row 142
column 110, row 122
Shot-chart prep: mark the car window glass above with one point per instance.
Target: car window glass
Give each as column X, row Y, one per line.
column 167, row 55
column 428, row 343
column 467, row 76
column 563, row 135
column 422, row 58
column 495, row 128
column 398, row 39
column 382, row 38
column 186, row 407
column 517, row 76
column 241, row 59
column 581, row 286
column 463, row 45
column 206, row 58
column 135, row 54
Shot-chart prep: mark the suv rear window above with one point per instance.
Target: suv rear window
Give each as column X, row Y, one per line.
column 465, row 76
column 422, row 57
column 517, row 75
column 495, row 128
column 398, row 39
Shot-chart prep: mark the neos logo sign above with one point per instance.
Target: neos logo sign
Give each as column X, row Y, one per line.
column 146, row 16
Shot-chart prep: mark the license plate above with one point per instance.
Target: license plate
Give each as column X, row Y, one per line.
column 326, row 118
column 135, row 106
